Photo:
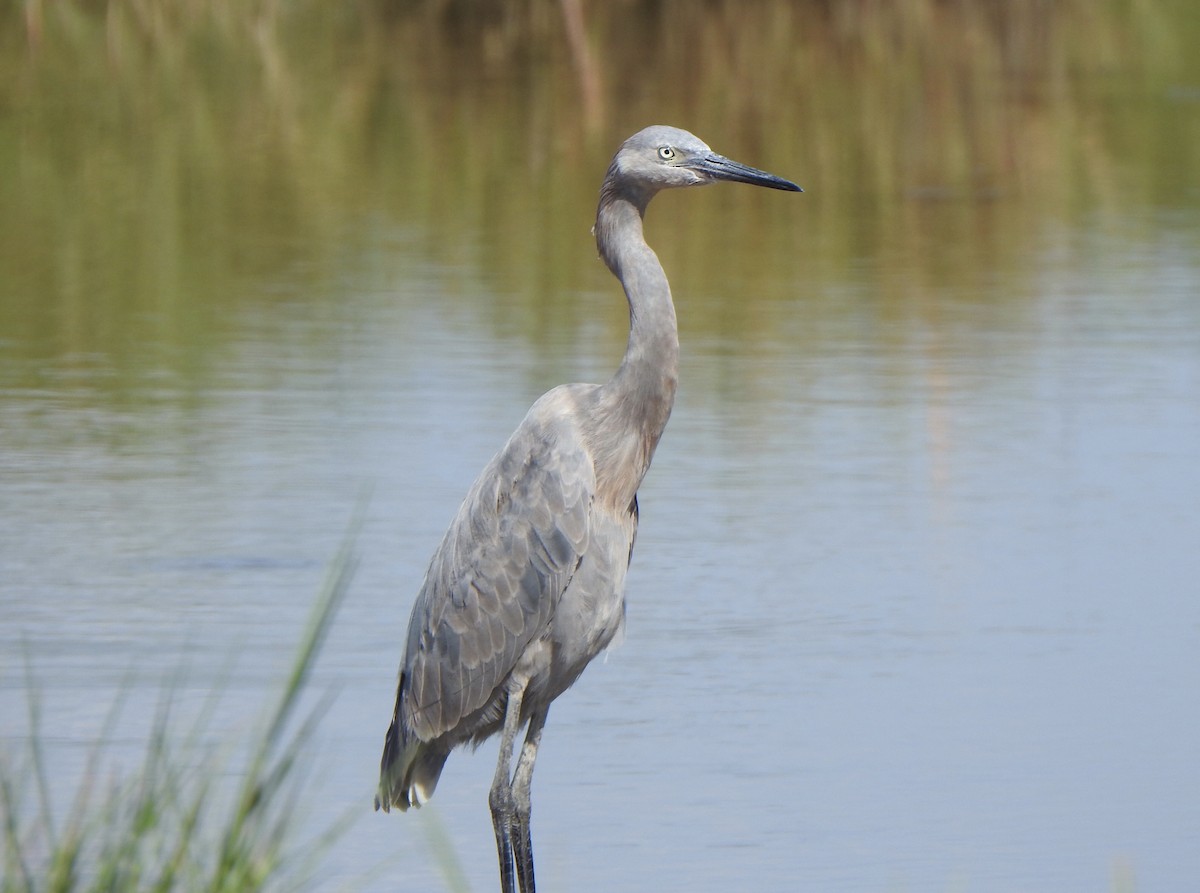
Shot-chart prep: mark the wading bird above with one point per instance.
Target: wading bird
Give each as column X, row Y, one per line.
column 528, row 584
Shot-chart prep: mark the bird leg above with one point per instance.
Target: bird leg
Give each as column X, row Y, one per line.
column 500, row 797
column 522, row 778
column 509, row 796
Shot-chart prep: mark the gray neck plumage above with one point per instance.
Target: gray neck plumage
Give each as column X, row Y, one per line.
column 637, row 400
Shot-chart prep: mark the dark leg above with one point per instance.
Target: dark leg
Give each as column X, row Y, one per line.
column 500, row 798
column 522, row 838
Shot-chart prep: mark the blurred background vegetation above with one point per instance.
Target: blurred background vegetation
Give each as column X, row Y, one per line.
column 160, row 159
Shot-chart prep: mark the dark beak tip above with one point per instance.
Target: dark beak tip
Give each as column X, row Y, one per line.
column 721, row 168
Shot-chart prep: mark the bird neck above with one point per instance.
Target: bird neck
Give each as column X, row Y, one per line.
column 637, row 400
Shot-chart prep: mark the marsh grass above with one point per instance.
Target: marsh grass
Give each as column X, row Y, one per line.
column 177, row 823
column 201, row 153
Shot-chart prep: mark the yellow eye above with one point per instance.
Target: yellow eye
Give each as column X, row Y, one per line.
column 666, row 153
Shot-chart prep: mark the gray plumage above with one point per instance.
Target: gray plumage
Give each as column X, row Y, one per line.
column 527, row 586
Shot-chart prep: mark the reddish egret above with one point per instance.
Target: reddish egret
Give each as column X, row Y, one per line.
column 528, row 584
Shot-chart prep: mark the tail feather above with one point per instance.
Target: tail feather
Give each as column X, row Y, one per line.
column 410, row 768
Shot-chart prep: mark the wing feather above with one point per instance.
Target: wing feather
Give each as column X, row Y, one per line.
column 495, row 580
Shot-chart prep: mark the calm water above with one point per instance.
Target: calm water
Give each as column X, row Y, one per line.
column 914, row 604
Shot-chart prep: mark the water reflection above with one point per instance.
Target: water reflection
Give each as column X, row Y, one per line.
column 913, row 599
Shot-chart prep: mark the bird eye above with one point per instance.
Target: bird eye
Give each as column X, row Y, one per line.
column 666, row 153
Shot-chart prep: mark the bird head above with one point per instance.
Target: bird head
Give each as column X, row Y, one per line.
column 662, row 157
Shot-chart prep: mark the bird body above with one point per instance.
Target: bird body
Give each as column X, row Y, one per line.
column 528, row 583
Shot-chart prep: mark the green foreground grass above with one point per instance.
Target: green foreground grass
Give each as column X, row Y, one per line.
column 170, row 825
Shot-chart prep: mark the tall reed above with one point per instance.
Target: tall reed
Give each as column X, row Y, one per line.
column 172, row 825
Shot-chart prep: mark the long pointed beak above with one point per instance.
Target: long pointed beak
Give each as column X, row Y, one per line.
column 718, row 167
